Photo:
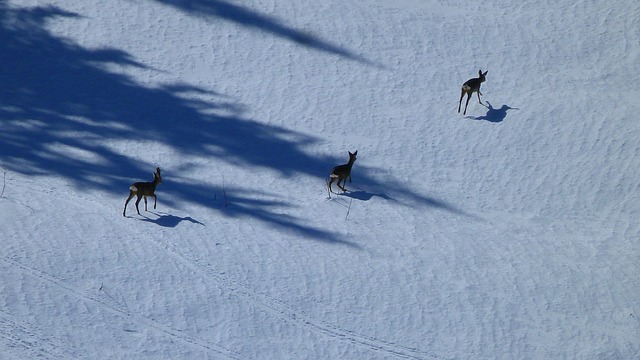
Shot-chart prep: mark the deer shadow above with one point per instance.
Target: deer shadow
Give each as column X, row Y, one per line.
column 364, row 195
column 494, row 115
column 168, row 220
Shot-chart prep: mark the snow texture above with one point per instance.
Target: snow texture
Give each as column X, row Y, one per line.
column 509, row 233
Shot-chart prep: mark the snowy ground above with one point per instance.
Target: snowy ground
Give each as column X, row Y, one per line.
column 508, row 233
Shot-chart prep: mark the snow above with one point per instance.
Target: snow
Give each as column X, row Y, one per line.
column 508, row 233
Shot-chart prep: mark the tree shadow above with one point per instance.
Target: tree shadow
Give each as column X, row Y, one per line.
column 494, row 115
column 63, row 114
column 410, row 198
column 252, row 19
column 397, row 191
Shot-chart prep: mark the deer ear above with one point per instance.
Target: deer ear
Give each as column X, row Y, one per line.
column 355, row 153
column 485, row 73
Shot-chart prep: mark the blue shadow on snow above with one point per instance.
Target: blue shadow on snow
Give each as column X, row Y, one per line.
column 494, row 115
column 168, row 220
column 61, row 111
column 218, row 9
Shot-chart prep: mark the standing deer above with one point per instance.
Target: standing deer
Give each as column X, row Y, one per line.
column 144, row 189
column 342, row 172
column 471, row 86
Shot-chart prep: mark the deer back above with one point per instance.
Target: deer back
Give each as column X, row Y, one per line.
column 147, row 188
column 345, row 169
column 473, row 85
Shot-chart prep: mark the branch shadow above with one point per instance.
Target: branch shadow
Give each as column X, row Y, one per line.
column 239, row 203
column 494, row 115
column 394, row 190
column 252, row 19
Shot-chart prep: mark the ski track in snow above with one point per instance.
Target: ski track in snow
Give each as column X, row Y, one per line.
column 104, row 303
column 272, row 306
column 285, row 312
column 25, row 341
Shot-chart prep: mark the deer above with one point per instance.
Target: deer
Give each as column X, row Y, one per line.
column 342, row 172
column 142, row 190
column 469, row 87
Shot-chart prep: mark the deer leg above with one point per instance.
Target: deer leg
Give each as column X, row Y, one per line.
column 467, row 104
column 138, row 202
column 460, row 102
column 344, row 182
column 331, row 180
column 145, row 203
column 479, row 93
column 124, row 212
column 155, row 201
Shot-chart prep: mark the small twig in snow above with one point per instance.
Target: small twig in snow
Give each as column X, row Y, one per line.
column 328, row 191
column 109, row 295
column 224, row 192
column 4, row 182
column 348, row 209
